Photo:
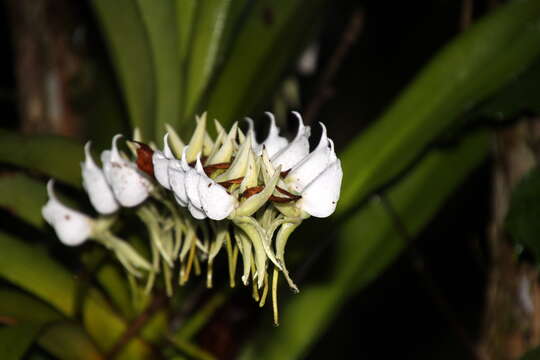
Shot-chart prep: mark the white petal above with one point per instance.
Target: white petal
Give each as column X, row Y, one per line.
column 166, row 149
column 129, row 185
column 95, row 184
column 196, row 213
column 192, row 186
column 273, row 142
column 72, row 227
column 289, row 156
column 256, row 147
column 106, row 159
column 216, row 203
column 320, row 197
column 161, row 159
column 177, row 179
column 312, row 165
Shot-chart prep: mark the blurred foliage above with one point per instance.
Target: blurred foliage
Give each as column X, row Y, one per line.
column 522, row 218
column 175, row 58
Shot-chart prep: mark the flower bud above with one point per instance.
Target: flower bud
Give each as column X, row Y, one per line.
column 313, row 164
column 273, row 142
column 296, row 150
column 161, row 160
column 192, row 191
column 177, row 178
column 129, row 185
column 216, row 202
column 72, row 227
column 95, row 184
column 320, row 197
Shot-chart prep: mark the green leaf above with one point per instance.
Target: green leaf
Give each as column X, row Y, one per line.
column 50, row 282
column 523, row 94
column 111, row 278
column 56, row 156
column 210, row 20
column 16, row 339
column 365, row 244
column 131, row 53
column 269, row 41
column 468, row 70
column 23, row 197
column 67, row 341
column 160, row 20
column 185, row 14
column 62, row 339
column 522, row 220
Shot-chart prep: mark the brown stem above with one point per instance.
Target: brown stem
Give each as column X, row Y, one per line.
column 158, row 302
column 511, row 319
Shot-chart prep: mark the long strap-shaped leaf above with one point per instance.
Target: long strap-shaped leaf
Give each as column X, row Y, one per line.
column 210, row 21
column 33, row 270
column 365, row 245
column 23, row 197
column 55, row 156
column 185, row 15
column 160, row 20
column 63, row 339
column 471, row 68
column 128, row 42
column 268, row 42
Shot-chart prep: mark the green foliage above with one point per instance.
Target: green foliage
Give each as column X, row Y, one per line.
column 467, row 71
column 16, row 339
column 131, row 52
column 272, row 36
column 160, row 20
column 365, row 244
column 59, row 336
column 210, row 21
column 522, row 219
column 24, row 198
column 54, row 156
column 55, row 285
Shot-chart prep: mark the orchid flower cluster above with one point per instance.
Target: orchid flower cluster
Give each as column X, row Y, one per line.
column 230, row 192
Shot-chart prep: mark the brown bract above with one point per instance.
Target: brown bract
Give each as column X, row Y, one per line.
column 144, row 158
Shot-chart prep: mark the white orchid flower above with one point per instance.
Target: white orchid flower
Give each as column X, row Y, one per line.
column 161, row 160
column 129, row 185
column 320, row 197
column 192, row 190
column 318, row 179
column 95, row 184
column 297, row 149
column 273, row 142
column 177, row 178
column 71, row 226
column 216, row 202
